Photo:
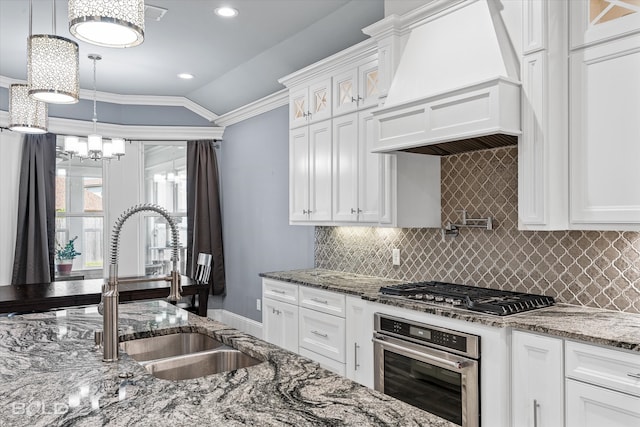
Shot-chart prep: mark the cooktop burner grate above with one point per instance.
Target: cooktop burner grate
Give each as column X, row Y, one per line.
column 485, row 300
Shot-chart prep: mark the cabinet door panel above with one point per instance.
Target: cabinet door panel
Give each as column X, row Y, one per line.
column 299, row 174
column 592, row 406
column 298, row 107
column 320, row 169
column 368, row 84
column 605, row 131
column 345, row 92
column 322, row 333
column 372, row 172
column 281, row 324
column 537, row 381
column 320, row 101
column 359, row 349
column 345, row 168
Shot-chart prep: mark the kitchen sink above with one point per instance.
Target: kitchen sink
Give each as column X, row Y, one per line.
column 200, row 364
column 163, row 346
column 186, row 355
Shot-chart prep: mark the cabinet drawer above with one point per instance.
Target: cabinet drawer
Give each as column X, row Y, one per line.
column 322, row 333
column 325, row 362
column 321, row 300
column 608, row 368
column 281, row 291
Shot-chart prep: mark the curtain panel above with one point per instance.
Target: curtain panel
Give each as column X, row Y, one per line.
column 35, row 237
column 204, row 221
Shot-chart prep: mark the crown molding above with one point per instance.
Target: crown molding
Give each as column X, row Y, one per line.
column 268, row 103
column 114, row 98
column 109, row 130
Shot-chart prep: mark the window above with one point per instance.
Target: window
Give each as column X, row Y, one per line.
column 80, row 211
column 165, row 182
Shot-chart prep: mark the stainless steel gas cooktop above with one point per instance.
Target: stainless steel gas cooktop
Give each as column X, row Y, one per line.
column 485, row 300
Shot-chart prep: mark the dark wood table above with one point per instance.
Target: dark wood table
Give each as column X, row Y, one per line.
column 46, row 296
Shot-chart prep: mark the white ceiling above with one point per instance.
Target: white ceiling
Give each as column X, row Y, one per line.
column 235, row 61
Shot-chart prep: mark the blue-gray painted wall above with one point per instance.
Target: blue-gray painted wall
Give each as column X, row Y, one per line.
column 254, row 169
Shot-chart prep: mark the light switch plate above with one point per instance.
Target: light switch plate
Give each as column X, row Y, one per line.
column 395, row 256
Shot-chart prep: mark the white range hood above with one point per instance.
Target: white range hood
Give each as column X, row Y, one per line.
column 455, row 88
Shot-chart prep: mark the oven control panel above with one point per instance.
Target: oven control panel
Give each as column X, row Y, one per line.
column 426, row 334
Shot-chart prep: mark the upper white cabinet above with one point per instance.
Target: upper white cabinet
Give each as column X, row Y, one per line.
column 310, row 173
column 310, row 103
column 604, row 135
column 360, row 177
column 356, row 87
column 578, row 154
column 537, row 381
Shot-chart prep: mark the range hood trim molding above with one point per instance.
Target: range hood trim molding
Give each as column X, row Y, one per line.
column 482, row 109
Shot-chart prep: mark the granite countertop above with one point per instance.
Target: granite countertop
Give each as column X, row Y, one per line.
column 51, row 374
column 597, row 326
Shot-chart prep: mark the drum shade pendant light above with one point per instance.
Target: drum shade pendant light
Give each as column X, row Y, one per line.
column 107, row 23
column 26, row 114
column 52, row 66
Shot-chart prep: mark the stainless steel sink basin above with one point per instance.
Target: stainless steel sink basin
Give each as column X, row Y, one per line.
column 185, row 355
column 163, row 346
column 200, row 364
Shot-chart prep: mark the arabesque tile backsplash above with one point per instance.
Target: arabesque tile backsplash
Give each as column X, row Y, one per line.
column 592, row 268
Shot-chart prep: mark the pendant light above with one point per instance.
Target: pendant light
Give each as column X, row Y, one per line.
column 26, row 114
column 94, row 147
column 52, row 66
column 107, row 23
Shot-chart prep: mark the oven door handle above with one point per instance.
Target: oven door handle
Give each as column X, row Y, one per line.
column 455, row 364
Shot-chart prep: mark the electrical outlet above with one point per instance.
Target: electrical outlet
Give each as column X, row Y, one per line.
column 395, row 256
column 258, row 304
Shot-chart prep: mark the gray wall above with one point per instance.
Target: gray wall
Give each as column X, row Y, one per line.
column 254, row 168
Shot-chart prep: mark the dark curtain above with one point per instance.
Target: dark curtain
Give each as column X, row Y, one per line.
column 204, row 222
column 35, row 240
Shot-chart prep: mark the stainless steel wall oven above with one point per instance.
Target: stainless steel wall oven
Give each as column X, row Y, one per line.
column 433, row 368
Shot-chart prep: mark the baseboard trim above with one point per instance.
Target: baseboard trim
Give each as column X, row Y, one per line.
column 236, row 321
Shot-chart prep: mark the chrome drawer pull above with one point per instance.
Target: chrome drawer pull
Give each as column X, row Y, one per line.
column 637, row 376
column 321, row 301
column 355, row 356
column 536, row 405
column 320, row 334
column 278, row 291
column 276, row 311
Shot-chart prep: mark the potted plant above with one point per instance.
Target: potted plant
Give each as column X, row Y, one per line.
column 65, row 255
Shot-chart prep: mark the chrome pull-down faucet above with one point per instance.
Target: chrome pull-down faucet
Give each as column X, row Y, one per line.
column 108, row 307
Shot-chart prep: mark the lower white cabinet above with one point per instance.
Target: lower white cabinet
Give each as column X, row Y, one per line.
column 322, row 333
column 359, row 347
column 537, row 381
column 593, row 406
column 280, row 323
column 603, row 386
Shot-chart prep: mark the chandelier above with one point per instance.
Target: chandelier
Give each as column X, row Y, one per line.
column 26, row 114
column 52, row 66
column 107, row 23
column 94, row 147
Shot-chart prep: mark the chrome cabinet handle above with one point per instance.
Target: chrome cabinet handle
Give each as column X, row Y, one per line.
column 277, row 312
column 278, row 291
column 353, row 211
column 321, row 301
column 309, row 115
column 637, row 376
column 355, row 356
column 320, row 334
column 536, row 405
column 304, row 212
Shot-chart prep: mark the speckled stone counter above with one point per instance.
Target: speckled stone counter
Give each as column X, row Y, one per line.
column 597, row 326
column 52, row 375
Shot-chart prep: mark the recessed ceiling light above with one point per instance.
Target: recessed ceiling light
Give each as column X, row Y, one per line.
column 185, row 76
column 226, row 12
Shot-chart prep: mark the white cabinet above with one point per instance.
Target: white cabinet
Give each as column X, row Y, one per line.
column 360, row 178
column 537, row 381
column 322, row 334
column 359, row 347
column 602, row 386
column 310, row 173
column 604, row 135
column 310, row 103
column 356, row 87
column 543, row 180
column 280, row 313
